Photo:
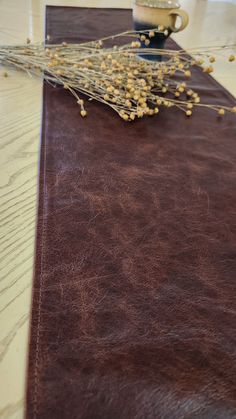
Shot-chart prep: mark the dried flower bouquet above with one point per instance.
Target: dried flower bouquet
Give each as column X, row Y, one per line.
column 116, row 76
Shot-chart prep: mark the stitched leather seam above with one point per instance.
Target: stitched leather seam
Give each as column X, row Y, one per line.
column 36, row 368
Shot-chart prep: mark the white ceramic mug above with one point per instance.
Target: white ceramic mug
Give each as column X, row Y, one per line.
column 157, row 14
column 152, row 17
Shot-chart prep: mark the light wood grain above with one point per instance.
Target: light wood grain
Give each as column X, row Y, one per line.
column 20, row 109
column 20, row 121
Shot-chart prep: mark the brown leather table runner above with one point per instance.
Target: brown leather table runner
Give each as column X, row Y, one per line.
column 134, row 306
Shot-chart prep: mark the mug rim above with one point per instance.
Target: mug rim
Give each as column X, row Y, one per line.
column 157, row 7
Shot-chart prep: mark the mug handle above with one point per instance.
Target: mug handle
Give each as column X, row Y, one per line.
column 184, row 19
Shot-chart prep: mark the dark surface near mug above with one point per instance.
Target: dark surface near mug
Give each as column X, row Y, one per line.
column 157, row 41
column 134, row 308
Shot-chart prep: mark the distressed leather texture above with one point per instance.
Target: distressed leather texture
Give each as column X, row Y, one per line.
column 133, row 312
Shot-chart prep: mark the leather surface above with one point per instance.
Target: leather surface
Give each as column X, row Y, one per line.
column 134, row 305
